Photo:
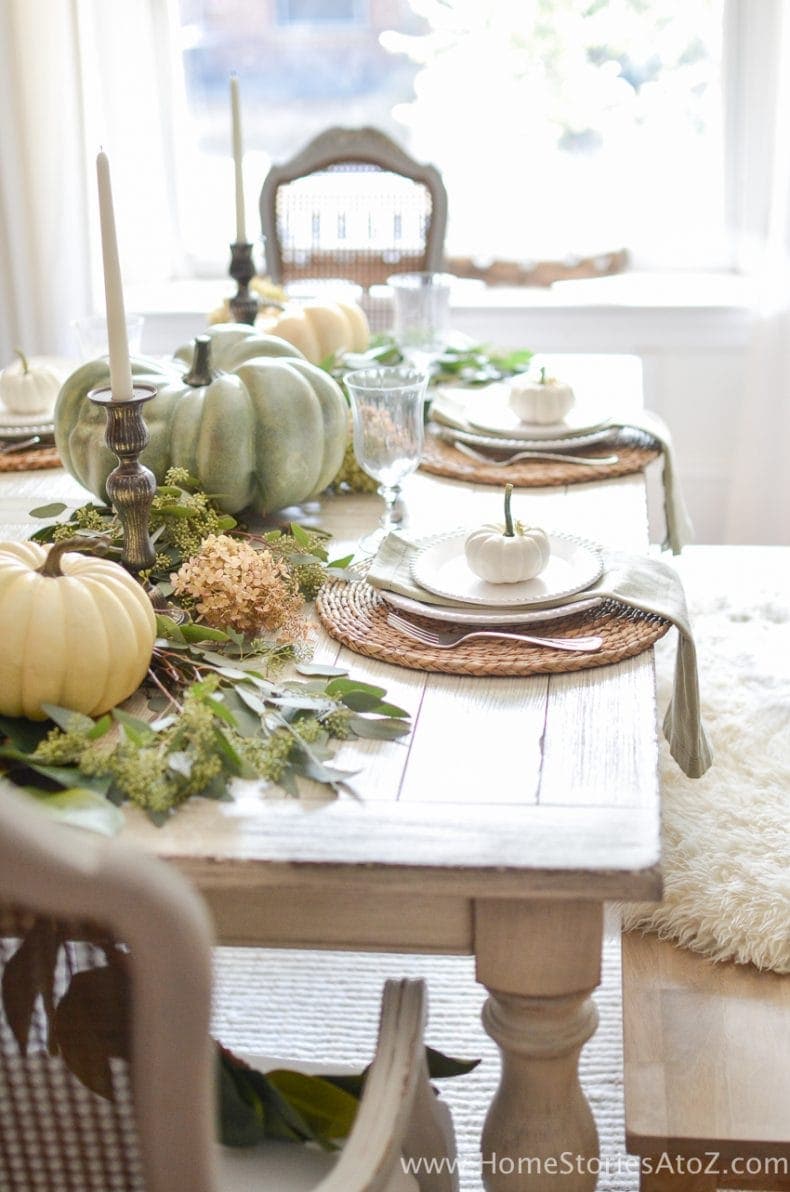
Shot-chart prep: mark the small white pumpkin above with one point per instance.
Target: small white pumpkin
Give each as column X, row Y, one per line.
column 320, row 329
column 545, row 400
column 77, row 631
column 27, row 388
column 509, row 554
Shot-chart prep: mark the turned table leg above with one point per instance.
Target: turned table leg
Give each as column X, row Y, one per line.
column 540, row 961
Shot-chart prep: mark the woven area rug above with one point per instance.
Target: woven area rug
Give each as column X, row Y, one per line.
column 323, row 1007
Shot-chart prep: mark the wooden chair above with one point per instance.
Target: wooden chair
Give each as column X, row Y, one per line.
column 353, row 205
column 707, row 1070
column 157, row 1130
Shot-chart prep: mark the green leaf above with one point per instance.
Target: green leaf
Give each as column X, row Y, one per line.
column 25, row 735
column 248, row 724
column 328, row 1110
column 81, row 808
column 360, row 701
column 343, row 686
column 168, row 629
column 232, row 759
column 316, row 668
column 138, row 731
column 53, row 510
column 392, row 710
column 69, row 776
column 301, row 536
column 226, row 523
column 440, row 1065
column 91, row 1024
column 202, row 633
column 378, row 730
column 67, row 719
column 341, row 564
column 28, row 973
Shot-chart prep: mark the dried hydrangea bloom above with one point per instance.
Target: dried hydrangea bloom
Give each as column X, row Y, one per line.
column 235, row 586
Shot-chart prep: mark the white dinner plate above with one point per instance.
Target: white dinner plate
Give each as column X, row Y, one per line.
column 486, row 616
column 442, row 568
column 487, row 410
column 477, row 439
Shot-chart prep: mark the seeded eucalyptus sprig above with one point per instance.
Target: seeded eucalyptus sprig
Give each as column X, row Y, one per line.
column 218, row 716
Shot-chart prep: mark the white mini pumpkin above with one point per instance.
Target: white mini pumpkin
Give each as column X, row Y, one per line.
column 28, row 388
column 543, row 400
column 77, row 631
column 509, row 554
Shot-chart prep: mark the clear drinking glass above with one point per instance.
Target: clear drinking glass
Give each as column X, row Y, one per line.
column 421, row 315
column 92, row 335
column 387, row 410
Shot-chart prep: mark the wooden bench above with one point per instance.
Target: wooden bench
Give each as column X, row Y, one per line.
column 707, row 1070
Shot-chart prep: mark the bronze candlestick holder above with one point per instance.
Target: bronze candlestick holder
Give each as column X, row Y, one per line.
column 244, row 304
column 130, row 486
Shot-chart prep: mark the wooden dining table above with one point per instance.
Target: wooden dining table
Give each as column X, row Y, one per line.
column 499, row 827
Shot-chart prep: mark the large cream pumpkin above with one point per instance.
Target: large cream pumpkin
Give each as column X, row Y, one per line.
column 77, row 631
column 320, row 329
column 257, row 424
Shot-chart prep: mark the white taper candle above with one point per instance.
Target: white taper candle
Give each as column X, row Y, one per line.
column 238, row 152
column 120, row 368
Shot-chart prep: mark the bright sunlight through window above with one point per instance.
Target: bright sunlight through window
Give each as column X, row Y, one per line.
column 561, row 127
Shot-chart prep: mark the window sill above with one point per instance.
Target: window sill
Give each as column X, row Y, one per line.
column 629, row 312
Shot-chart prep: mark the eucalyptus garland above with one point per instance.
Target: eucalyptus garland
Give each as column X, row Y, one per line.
column 219, row 707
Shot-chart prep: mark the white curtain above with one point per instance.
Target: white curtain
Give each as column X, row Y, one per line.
column 77, row 75
column 759, row 145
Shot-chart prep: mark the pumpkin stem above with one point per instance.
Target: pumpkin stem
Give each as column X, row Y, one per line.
column 543, row 376
column 200, row 370
column 86, row 545
column 25, row 365
column 509, row 532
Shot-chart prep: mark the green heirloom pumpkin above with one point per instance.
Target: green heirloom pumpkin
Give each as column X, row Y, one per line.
column 250, row 418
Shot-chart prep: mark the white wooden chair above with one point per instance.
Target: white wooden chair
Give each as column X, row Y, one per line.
column 157, row 1133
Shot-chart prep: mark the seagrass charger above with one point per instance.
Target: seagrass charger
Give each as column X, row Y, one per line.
column 352, row 205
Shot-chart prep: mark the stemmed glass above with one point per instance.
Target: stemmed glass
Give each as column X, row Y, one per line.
column 387, row 410
column 421, row 315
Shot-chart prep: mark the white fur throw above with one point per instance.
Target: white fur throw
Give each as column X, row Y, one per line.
column 726, row 836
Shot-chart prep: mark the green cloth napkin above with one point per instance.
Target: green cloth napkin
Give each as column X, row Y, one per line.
column 639, row 582
column 448, row 410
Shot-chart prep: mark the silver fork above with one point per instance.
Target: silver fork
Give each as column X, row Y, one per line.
column 446, row 639
column 592, row 461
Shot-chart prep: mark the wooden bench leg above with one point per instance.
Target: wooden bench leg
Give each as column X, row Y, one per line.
column 540, row 961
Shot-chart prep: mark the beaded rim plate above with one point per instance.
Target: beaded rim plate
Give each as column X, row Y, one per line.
column 487, row 616
column 441, row 568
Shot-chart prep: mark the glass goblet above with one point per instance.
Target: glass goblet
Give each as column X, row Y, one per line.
column 387, row 411
column 421, row 315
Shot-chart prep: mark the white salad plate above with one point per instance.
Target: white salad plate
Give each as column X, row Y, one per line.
column 442, row 568
column 488, row 410
column 487, row 616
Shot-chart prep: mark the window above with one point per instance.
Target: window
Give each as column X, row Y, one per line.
column 561, row 127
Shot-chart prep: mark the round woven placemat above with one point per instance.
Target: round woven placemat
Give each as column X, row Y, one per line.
column 441, row 458
column 29, row 461
column 356, row 615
